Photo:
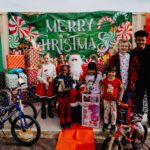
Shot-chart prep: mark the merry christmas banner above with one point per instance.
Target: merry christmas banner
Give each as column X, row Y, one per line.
column 83, row 33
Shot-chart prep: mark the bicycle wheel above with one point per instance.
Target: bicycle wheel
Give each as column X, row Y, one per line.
column 26, row 134
column 116, row 144
column 4, row 102
column 138, row 139
column 28, row 109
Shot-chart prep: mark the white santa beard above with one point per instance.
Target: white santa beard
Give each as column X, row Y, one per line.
column 75, row 70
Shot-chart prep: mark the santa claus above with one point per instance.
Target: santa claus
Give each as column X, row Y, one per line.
column 78, row 73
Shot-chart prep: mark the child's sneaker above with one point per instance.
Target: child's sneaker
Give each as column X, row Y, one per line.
column 105, row 127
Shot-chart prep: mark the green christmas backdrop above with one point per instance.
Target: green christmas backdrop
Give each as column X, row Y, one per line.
column 83, row 33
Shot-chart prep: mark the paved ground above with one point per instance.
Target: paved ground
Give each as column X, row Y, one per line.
column 44, row 144
column 50, row 129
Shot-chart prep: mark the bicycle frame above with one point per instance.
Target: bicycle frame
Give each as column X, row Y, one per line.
column 17, row 105
column 121, row 130
column 131, row 127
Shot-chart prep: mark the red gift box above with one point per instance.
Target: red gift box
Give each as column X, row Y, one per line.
column 32, row 58
column 32, row 76
column 15, row 61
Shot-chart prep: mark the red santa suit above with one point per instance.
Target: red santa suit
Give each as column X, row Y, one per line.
column 78, row 73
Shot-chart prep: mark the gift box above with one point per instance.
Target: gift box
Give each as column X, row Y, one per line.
column 2, row 80
column 91, row 110
column 32, row 58
column 15, row 61
column 32, row 76
column 12, row 80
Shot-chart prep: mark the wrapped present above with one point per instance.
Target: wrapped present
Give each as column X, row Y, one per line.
column 32, row 76
column 91, row 110
column 12, row 80
column 15, row 61
column 16, row 51
column 2, row 80
column 32, row 58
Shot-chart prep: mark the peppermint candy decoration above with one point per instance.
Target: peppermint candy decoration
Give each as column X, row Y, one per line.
column 119, row 14
column 88, row 60
column 99, row 53
column 17, row 26
column 13, row 41
column 124, row 31
column 104, row 19
column 33, row 33
column 109, row 37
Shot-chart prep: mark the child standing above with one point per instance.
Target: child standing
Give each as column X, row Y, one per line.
column 44, row 89
column 111, row 88
column 61, row 61
column 93, row 79
column 63, row 83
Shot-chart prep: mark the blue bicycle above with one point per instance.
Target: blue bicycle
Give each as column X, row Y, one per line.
column 24, row 128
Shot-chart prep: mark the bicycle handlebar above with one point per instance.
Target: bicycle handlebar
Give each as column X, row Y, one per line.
column 121, row 104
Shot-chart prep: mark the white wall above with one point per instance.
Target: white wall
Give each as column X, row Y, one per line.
column 4, row 36
column 138, row 21
column 74, row 5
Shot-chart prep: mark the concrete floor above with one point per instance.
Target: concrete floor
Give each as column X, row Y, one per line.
column 50, row 129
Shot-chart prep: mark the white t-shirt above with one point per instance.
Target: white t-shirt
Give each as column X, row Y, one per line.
column 93, row 84
column 46, row 71
column 124, row 68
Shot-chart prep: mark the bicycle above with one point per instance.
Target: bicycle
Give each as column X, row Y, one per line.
column 132, row 132
column 5, row 101
column 23, row 125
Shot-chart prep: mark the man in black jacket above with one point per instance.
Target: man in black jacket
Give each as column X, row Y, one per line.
column 139, row 75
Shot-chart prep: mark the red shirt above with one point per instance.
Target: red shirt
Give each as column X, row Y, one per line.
column 111, row 88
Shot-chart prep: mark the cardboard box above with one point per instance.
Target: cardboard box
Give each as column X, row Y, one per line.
column 91, row 110
column 32, row 76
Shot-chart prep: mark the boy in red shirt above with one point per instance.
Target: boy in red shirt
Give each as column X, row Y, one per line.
column 111, row 88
